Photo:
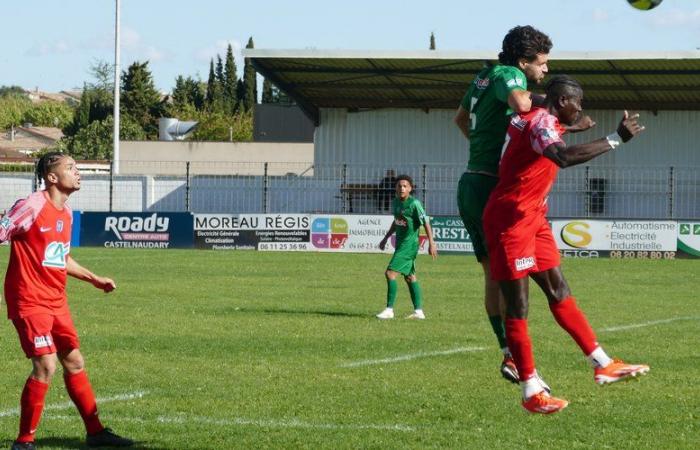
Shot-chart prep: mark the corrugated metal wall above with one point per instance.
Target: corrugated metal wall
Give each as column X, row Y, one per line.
column 385, row 138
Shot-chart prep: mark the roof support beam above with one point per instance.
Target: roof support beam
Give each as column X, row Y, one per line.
column 309, row 109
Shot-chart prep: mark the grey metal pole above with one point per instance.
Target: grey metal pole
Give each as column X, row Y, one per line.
column 117, row 69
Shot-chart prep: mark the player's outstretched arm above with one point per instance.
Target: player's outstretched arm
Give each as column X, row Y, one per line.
column 432, row 249
column 565, row 156
column 583, row 124
column 77, row 271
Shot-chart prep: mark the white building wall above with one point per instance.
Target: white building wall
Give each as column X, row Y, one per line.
column 385, row 138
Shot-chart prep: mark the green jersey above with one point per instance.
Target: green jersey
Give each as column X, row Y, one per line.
column 486, row 101
column 409, row 215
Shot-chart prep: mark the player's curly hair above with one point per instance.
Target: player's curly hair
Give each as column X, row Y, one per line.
column 405, row 178
column 562, row 86
column 523, row 42
column 45, row 164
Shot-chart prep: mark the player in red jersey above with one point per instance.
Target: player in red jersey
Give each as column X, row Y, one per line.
column 39, row 228
column 520, row 241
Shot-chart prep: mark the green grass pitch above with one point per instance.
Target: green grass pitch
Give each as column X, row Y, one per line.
column 203, row 350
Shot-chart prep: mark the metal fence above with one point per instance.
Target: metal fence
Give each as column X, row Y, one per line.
column 223, row 187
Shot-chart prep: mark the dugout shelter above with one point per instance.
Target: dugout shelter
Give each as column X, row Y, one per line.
column 381, row 109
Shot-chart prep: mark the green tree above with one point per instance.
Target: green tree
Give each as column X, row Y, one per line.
column 214, row 98
column 12, row 90
column 432, row 41
column 230, row 82
column 220, row 78
column 140, row 99
column 250, row 96
column 97, row 99
column 217, row 126
column 49, row 114
column 187, row 92
column 13, row 108
column 103, row 74
column 267, row 91
column 95, row 141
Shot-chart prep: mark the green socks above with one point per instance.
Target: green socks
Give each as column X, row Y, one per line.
column 499, row 330
column 416, row 295
column 391, row 288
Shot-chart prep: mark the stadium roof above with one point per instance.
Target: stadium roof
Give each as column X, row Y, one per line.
column 649, row 81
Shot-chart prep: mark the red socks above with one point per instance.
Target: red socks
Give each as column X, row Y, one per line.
column 80, row 391
column 520, row 347
column 31, row 406
column 572, row 319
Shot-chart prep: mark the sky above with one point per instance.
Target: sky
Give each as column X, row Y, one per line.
column 51, row 44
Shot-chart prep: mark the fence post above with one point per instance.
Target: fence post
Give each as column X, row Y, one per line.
column 424, row 175
column 35, row 180
column 344, row 182
column 111, row 184
column 671, row 189
column 187, row 186
column 587, row 185
column 265, row 189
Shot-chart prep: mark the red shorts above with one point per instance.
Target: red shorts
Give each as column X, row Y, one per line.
column 524, row 248
column 43, row 334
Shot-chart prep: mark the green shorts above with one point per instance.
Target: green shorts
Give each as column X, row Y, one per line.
column 403, row 263
column 472, row 194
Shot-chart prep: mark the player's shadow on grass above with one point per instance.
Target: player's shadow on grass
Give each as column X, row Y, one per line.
column 300, row 311
column 76, row 443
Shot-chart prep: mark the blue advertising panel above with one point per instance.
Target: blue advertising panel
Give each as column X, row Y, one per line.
column 137, row 230
column 75, row 231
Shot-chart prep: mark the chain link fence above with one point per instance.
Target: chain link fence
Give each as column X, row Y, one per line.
column 225, row 187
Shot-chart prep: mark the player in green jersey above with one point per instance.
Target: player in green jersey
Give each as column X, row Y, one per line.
column 409, row 216
column 483, row 117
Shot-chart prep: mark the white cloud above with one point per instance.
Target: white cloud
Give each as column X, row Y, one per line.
column 677, row 18
column 205, row 54
column 54, row 48
column 134, row 47
column 600, row 15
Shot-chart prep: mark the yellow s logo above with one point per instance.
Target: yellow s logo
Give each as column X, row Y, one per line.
column 575, row 234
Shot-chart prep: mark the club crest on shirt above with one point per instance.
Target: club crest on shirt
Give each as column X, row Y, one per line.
column 59, row 225
column 5, row 222
column 401, row 222
column 56, row 254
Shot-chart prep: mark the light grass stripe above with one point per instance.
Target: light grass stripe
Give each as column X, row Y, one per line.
column 239, row 421
column 648, row 324
column 14, row 412
column 396, row 359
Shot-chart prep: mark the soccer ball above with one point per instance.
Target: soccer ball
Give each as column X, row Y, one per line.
column 644, row 5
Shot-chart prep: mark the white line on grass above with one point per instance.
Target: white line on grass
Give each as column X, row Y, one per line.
column 648, row 324
column 370, row 362
column 69, row 405
column 238, row 421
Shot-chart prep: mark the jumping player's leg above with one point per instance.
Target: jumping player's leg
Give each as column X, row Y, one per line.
column 472, row 195
column 535, row 392
column 568, row 315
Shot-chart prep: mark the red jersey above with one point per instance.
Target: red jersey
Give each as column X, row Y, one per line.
column 525, row 175
column 36, row 274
